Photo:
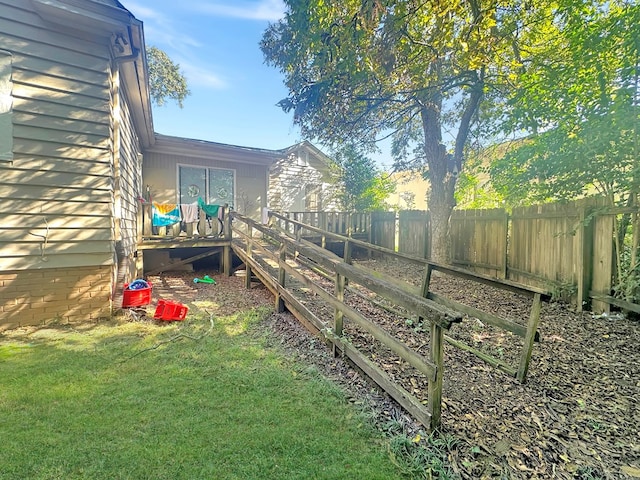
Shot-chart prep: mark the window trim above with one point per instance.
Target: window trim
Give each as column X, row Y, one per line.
column 207, row 170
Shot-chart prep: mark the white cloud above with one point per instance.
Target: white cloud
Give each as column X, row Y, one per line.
column 196, row 75
column 160, row 29
column 265, row 10
column 166, row 32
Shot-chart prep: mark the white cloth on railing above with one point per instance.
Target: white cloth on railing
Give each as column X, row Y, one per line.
column 189, row 212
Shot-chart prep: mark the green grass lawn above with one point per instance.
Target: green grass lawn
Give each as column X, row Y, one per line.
column 140, row 400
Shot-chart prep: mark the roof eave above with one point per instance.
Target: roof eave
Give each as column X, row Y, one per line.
column 189, row 147
column 111, row 22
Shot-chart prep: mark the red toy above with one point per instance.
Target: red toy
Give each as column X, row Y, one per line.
column 170, row 310
column 136, row 297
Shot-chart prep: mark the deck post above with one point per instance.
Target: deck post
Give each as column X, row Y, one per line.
column 282, row 277
column 147, row 227
column 202, row 223
column 435, row 386
column 247, row 280
column 226, row 250
column 532, row 327
column 227, row 222
column 139, row 222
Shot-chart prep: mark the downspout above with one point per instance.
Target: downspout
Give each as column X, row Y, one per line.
column 119, row 45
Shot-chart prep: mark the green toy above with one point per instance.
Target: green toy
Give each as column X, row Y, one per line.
column 205, row 279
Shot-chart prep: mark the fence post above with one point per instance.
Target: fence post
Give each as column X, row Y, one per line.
column 585, row 256
column 435, row 386
column 436, row 340
column 505, row 257
column 338, row 316
column 347, row 252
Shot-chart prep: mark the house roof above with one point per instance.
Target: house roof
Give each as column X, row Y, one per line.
column 313, row 155
column 316, row 153
column 167, row 144
column 108, row 19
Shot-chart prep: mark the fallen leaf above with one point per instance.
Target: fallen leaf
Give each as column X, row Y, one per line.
column 631, row 471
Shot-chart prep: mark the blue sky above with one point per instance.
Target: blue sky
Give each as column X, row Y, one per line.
column 233, row 93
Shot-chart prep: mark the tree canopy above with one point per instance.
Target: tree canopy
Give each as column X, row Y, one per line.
column 412, row 70
column 364, row 187
column 578, row 101
column 166, row 81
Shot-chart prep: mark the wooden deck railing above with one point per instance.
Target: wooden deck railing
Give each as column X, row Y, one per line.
column 204, row 227
column 274, row 262
column 528, row 332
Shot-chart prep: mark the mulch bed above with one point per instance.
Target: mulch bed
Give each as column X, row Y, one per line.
column 577, row 415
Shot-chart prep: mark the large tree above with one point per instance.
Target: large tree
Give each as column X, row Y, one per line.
column 579, row 102
column 166, row 81
column 414, row 70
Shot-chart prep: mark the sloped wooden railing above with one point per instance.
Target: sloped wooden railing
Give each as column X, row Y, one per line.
column 528, row 332
column 272, row 256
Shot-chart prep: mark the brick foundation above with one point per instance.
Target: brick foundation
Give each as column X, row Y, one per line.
column 67, row 295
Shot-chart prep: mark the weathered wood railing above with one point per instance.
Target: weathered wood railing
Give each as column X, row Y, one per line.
column 345, row 223
column 276, row 268
column 203, row 227
column 529, row 332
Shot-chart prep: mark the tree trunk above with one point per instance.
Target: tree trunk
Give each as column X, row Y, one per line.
column 442, row 175
column 444, row 167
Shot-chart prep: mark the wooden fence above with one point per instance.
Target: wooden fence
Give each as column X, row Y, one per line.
column 528, row 332
column 479, row 240
column 566, row 249
column 563, row 248
column 413, row 234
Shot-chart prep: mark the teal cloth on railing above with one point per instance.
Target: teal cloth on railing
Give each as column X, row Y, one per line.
column 211, row 210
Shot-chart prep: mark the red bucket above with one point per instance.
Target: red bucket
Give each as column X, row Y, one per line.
column 137, row 297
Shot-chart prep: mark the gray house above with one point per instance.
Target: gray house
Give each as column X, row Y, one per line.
column 75, row 126
column 74, row 119
column 79, row 160
column 303, row 179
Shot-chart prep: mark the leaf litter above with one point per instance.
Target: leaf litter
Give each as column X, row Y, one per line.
column 576, row 417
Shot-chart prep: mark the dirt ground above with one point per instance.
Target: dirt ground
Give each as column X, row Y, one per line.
column 577, row 415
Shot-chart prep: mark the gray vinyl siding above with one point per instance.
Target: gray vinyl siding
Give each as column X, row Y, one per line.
column 57, row 193
column 129, row 179
column 160, row 174
column 6, row 106
column 287, row 186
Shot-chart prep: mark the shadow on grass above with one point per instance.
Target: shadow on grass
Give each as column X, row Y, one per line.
column 203, row 398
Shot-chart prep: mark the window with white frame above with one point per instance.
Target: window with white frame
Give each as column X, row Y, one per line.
column 216, row 186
